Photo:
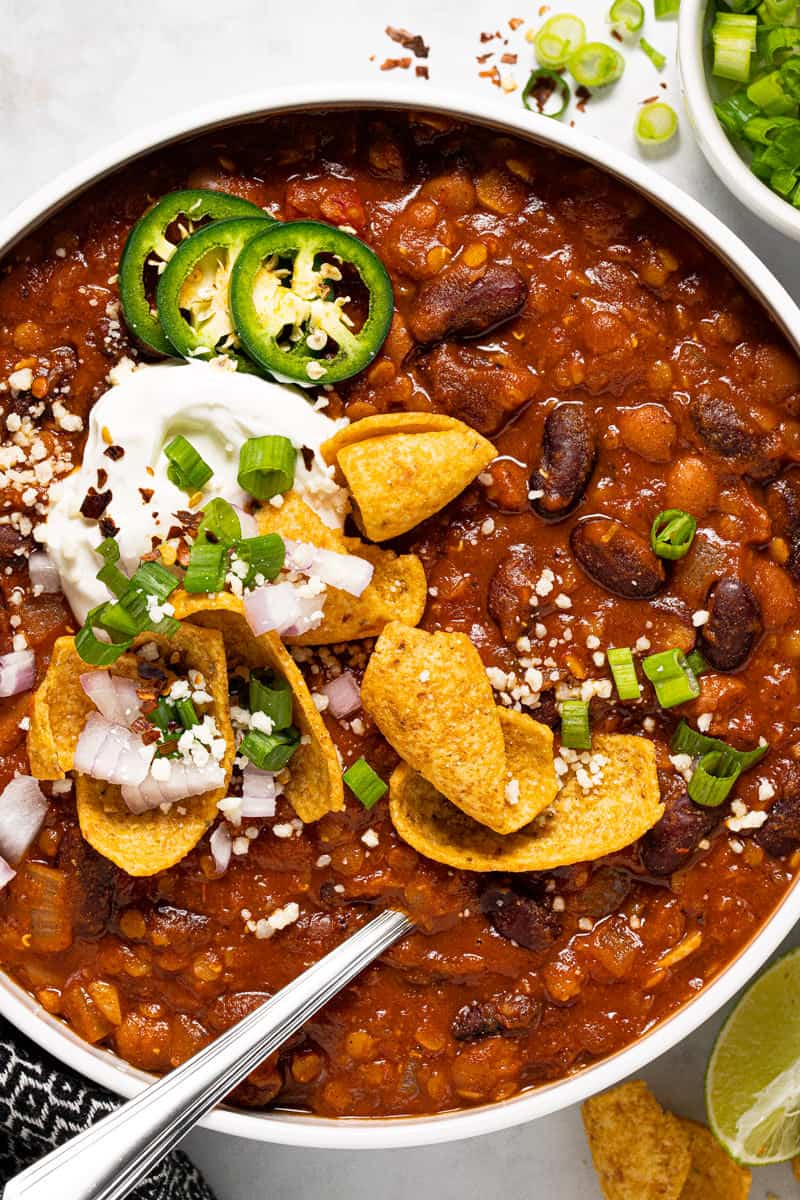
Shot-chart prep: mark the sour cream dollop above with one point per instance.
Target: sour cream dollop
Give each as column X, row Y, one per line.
column 217, row 410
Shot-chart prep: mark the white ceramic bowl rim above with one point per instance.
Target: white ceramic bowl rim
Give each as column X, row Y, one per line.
column 371, row 1134
column 729, row 166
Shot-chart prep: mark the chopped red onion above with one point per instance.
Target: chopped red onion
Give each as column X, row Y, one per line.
column 23, row 808
column 6, row 873
column 185, row 780
column 247, row 521
column 259, row 792
column 220, row 846
column 17, row 672
column 111, row 752
column 344, row 695
column 114, row 696
column 44, row 573
column 347, row 572
column 280, row 607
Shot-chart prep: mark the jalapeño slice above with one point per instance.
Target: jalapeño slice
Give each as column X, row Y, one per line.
column 289, row 313
column 149, row 245
column 193, row 291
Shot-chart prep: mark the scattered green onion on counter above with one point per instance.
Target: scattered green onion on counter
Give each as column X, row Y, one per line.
column 658, row 59
column 656, row 124
column 558, row 39
column 543, row 86
column 626, row 17
column 666, row 8
column 596, row 65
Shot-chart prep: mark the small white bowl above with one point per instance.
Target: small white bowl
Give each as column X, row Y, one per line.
column 699, row 96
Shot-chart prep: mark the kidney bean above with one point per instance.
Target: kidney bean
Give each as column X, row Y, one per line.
column 617, row 558
column 462, row 302
column 475, row 387
column 507, row 1013
column 605, row 892
column 782, row 496
column 724, row 430
column 510, row 591
column 734, row 624
column 568, row 457
column 672, row 840
column 520, row 918
column 780, row 833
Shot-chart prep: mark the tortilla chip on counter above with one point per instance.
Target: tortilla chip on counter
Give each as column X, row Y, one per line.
column 581, row 825
column 401, row 468
column 149, row 842
column 429, row 695
column 315, row 784
column 640, row 1152
column 397, row 592
column 713, row 1174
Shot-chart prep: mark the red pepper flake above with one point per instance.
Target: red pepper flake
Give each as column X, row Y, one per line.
column 508, row 58
column 102, row 477
column 649, row 100
column 488, row 37
column 493, row 75
column 392, row 64
column 514, row 23
column 95, row 504
column 663, row 85
column 544, row 8
column 115, row 453
column 616, row 35
column 108, row 528
column 421, row 72
column 146, row 494
column 409, row 41
column 584, row 96
column 482, row 58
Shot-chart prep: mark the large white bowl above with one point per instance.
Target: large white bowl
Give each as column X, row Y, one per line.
column 699, row 94
column 303, row 1130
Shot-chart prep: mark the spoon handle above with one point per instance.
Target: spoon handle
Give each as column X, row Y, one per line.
column 107, row 1161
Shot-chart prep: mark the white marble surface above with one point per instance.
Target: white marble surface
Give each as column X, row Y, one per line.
column 75, row 74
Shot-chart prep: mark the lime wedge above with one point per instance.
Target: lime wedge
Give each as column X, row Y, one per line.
column 753, row 1076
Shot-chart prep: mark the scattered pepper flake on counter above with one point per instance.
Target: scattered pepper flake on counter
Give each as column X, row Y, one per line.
column 409, row 41
column 392, row 64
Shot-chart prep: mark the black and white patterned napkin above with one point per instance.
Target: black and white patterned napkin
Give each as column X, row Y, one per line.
column 43, row 1103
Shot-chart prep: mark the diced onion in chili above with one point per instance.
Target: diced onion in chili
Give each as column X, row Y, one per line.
column 666, row 8
column 17, row 672
column 23, row 808
column 187, row 470
column 672, row 533
column 7, row 873
column 44, row 573
column 280, row 607
column 247, row 522
column 672, row 678
column 596, row 65
column 558, row 38
column 365, row 784
column 686, row 740
column 271, row 695
column 658, row 60
column 114, row 696
column 185, row 780
column 623, row 668
column 260, row 790
column 713, row 778
column 542, row 86
column 221, row 847
column 575, row 731
column 734, row 39
column 266, row 466
column 347, row 572
column 111, row 752
column 626, row 16
column 344, row 695
column 206, row 569
column 270, row 751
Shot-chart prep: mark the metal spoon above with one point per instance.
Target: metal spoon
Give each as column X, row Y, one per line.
column 108, row 1160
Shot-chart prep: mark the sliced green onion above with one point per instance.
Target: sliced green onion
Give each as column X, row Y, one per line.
column 89, row 646
column 774, row 42
column 596, row 65
column 765, row 131
column 789, row 76
column 187, row 470
column 270, row 751
column 264, row 554
column 220, row 523
column 658, row 60
column 656, row 124
column 742, row 6
column 686, row 740
column 697, row 663
column 155, row 579
column 365, row 784
column 187, row 713
column 672, row 533
column 575, row 731
column 713, row 778
column 672, row 677
column 734, row 113
column 623, row 668
column 779, row 12
column 270, row 694
column 626, row 16
column 666, row 8
column 163, row 715
column 734, row 38
column 558, row 38
column 114, row 579
column 206, row 569
column 537, row 89
column 266, row 466
column 130, row 616
column 769, row 96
